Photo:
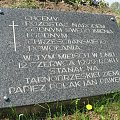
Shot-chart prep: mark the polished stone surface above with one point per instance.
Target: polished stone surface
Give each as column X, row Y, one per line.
column 48, row 56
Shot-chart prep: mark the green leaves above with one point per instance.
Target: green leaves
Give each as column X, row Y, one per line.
column 100, row 109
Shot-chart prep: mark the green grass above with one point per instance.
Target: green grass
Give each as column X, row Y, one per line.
column 34, row 4
column 119, row 23
column 105, row 107
column 26, row 4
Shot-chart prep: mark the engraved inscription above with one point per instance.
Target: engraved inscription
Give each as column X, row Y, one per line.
column 65, row 53
column 14, row 36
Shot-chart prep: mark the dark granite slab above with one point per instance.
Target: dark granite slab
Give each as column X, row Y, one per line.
column 48, row 56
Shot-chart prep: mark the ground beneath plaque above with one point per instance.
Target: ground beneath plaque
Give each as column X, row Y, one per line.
column 107, row 108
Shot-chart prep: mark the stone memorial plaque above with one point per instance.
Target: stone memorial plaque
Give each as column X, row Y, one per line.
column 48, row 56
